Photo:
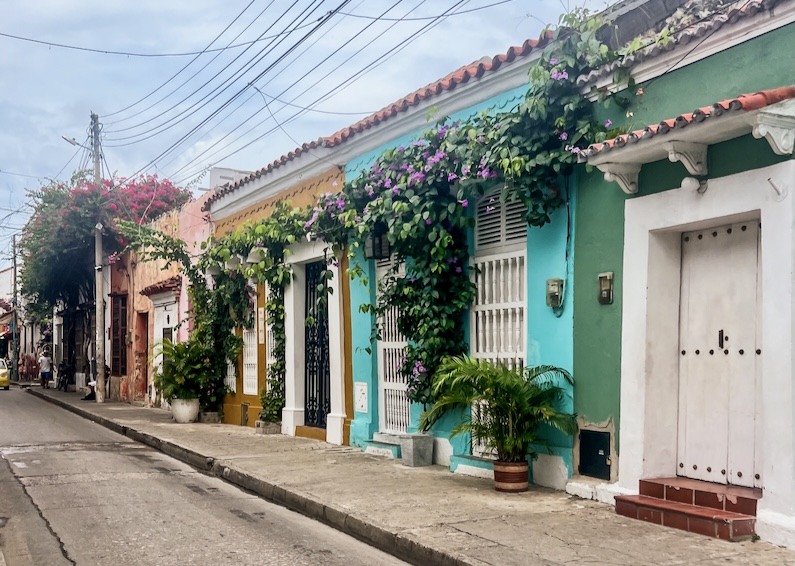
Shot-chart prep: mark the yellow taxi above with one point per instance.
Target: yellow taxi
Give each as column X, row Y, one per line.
column 5, row 380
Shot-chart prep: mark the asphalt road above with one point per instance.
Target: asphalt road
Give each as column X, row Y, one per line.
column 72, row 492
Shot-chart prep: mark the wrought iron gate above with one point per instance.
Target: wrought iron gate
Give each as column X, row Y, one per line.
column 317, row 376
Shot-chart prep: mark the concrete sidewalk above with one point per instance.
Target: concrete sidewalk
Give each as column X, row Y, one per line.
column 425, row 516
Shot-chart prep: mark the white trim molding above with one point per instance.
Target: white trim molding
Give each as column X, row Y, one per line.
column 650, row 331
column 622, row 164
column 510, row 75
column 777, row 125
column 625, row 174
column 692, row 155
column 294, row 305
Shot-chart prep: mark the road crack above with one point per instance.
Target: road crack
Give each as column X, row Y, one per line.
column 64, row 552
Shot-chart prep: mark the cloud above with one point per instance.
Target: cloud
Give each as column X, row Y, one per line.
column 48, row 92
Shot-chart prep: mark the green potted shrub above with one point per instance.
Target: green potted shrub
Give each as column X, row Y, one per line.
column 511, row 405
column 183, row 373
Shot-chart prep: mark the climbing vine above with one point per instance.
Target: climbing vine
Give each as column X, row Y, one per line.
column 420, row 196
column 266, row 243
column 215, row 309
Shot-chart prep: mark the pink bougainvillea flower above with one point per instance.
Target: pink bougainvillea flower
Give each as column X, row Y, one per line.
column 564, row 136
column 608, row 123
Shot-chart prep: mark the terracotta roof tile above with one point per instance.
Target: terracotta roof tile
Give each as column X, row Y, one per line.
column 461, row 76
column 744, row 102
column 170, row 284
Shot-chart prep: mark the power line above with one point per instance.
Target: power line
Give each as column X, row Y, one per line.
column 216, row 38
column 243, row 102
column 81, row 146
column 189, row 111
column 241, row 91
column 150, row 55
column 23, row 175
column 341, row 85
column 294, row 98
column 423, row 18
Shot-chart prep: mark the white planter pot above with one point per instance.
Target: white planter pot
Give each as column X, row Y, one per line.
column 185, row 410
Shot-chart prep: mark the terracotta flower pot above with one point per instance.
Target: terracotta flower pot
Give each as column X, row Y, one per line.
column 511, row 477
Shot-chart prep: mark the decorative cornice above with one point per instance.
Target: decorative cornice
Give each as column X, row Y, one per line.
column 625, row 174
column 692, row 155
column 777, row 125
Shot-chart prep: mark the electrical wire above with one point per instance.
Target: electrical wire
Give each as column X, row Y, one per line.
column 241, row 91
column 294, row 98
column 348, row 41
column 423, row 18
column 248, row 64
column 341, row 85
column 252, row 95
column 22, row 175
column 150, row 55
column 81, row 146
column 199, row 54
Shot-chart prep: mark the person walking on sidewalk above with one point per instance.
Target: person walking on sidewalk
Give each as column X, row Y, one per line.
column 45, row 367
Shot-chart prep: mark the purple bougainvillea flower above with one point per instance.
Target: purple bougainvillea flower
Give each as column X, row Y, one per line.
column 553, row 61
column 489, row 209
column 395, row 191
column 452, row 177
column 388, row 183
column 428, row 221
column 458, row 269
column 371, row 192
column 465, row 170
column 401, row 149
column 464, row 203
column 334, row 184
column 608, row 123
column 564, row 136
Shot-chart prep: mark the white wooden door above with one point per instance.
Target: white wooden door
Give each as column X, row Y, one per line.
column 393, row 405
column 719, row 354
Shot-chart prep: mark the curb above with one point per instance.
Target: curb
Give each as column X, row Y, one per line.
column 392, row 543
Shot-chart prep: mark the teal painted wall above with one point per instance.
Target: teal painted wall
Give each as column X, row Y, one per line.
column 550, row 331
column 600, row 205
column 553, row 347
column 364, row 424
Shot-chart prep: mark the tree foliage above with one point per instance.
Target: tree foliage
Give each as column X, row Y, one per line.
column 57, row 243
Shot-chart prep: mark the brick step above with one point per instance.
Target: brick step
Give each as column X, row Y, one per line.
column 736, row 499
column 714, row 523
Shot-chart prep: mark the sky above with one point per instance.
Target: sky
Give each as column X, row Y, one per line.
column 188, row 104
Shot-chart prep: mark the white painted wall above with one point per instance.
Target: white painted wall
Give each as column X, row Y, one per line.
column 649, row 366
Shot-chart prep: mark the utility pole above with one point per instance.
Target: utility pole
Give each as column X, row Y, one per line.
column 15, row 329
column 99, row 300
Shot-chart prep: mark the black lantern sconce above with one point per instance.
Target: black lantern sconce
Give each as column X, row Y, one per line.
column 376, row 246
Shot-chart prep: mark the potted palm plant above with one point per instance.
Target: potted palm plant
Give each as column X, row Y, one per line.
column 183, row 373
column 510, row 405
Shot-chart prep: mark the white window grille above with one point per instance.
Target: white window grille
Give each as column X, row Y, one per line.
column 393, row 405
column 250, row 361
column 270, row 354
column 497, row 316
column 231, row 377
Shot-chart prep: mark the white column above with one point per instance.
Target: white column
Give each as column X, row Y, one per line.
column 335, row 420
column 294, row 394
